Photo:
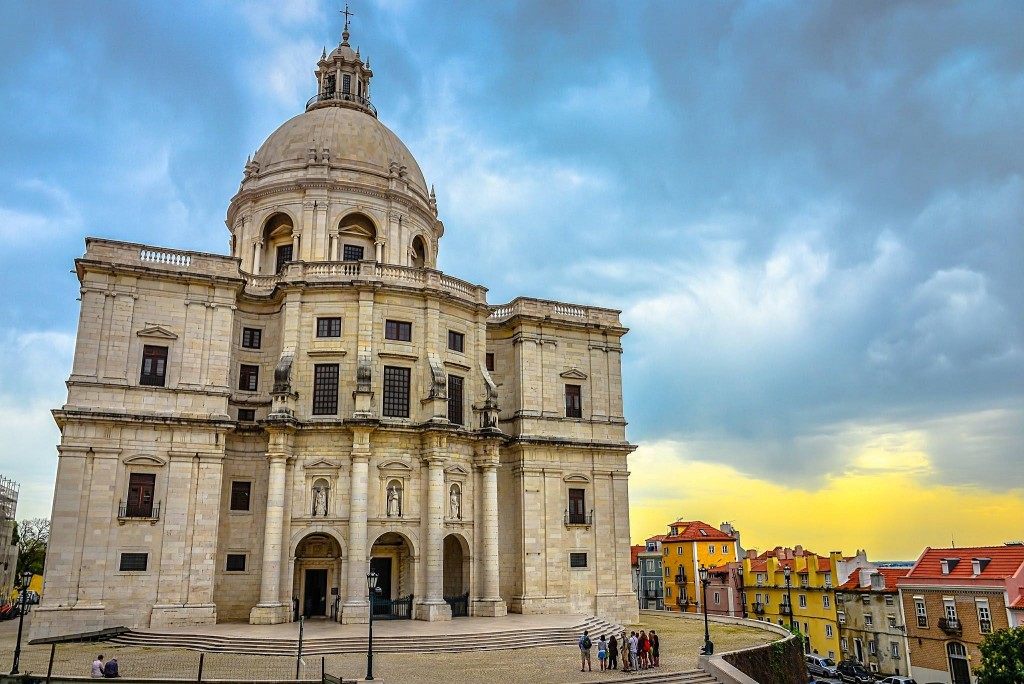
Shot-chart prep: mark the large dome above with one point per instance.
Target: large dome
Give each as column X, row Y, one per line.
column 353, row 137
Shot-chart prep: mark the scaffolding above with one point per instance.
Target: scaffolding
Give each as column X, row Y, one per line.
column 8, row 551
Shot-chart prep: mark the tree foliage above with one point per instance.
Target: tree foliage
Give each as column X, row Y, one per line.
column 1002, row 657
column 33, row 535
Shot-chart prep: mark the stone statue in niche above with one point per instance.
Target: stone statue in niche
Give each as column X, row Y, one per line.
column 320, row 502
column 455, row 504
column 394, row 502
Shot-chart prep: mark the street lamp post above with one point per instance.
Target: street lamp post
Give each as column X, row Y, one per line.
column 636, row 573
column 705, row 580
column 743, row 592
column 788, row 573
column 26, row 577
column 371, row 585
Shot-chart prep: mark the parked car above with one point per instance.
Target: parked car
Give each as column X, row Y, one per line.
column 820, row 665
column 852, row 671
column 898, row 680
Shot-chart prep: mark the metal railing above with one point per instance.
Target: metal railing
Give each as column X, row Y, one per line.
column 680, row 579
column 388, row 609
column 459, row 605
column 950, row 625
column 148, row 511
column 335, row 96
column 758, row 608
column 579, row 518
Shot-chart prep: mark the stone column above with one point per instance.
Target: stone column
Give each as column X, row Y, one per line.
column 257, row 256
column 433, row 607
column 270, row 610
column 490, row 603
column 357, row 608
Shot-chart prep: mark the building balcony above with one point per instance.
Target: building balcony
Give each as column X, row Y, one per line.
column 338, row 97
column 757, row 608
column 147, row 511
column 785, row 609
column 585, row 519
column 951, row 626
column 680, row 579
column 683, row 602
column 652, row 594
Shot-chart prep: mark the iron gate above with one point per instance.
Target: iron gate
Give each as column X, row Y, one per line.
column 392, row 609
column 459, row 604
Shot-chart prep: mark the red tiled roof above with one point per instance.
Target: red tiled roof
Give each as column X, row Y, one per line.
column 692, row 531
column 633, row 551
column 656, row 538
column 891, row 575
column 1018, row 604
column 760, row 564
column 1006, row 561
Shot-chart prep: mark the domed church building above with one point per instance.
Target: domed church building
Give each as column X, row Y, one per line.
column 249, row 437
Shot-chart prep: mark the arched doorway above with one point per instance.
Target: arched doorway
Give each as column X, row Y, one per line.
column 317, row 576
column 418, row 253
column 278, row 244
column 959, row 667
column 356, row 239
column 391, row 557
column 456, row 574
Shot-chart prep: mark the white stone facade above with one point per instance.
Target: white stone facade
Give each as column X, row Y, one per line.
column 246, row 433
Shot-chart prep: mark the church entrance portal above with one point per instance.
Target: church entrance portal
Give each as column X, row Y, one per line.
column 391, row 558
column 456, row 575
column 315, row 600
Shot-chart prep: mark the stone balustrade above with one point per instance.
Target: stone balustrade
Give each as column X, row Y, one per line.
column 545, row 309
column 172, row 260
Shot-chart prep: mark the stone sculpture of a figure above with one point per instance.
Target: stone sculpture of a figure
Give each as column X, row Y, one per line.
column 320, row 502
column 455, row 505
column 394, row 502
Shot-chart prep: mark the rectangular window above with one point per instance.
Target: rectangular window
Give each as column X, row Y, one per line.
column 802, row 599
column 949, row 606
column 839, row 599
column 757, row 598
column 711, row 548
column 922, row 612
column 871, row 648
column 284, row 255
column 252, row 338
column 668, row 592
column 844, row 645
column 668, row 570
column 725, row 548
column 984, row 616
column 248, row 378
column 456, row 341
column 577, row 560
column 455, row 400
column 760, row 579
column 828, row 579
column 889, row 600
column 831, row 655
column 246, row 415
column 679, row 550
column 346, row 84
column 577, row 507
column 489, row 361
column 841, row 617
column 894, row 648
column 134, row 562
column 236, row 562
column 573, row 401
column 396, row 392
column 825, row 603
column 869, row 621
column 352, row 253
column 140, row 495
column 154, row 366
column 328, row 327
column 325, row 389
column 718, row 598
column 240, row 494
column 398, row 330
column 865, row 599
column 892, row 621
column 650, row 566
column 828, row 631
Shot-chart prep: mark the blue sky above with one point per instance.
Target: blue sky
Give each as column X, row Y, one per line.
column 811, row 215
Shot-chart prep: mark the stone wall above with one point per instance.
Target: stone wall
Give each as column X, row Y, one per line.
column 780, row 662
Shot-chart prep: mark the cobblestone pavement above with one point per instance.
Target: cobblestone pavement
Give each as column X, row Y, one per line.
column 681, row 641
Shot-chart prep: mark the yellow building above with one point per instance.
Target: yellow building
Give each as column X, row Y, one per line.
column 686, row 547
column 796, row 587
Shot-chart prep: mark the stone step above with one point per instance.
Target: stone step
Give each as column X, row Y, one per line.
column 656, row 677
column 438, row 643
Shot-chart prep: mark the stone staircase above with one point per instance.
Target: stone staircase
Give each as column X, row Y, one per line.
column 455, row 642
column 656, row 677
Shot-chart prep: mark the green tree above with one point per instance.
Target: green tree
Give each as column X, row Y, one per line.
column 33, row 534
column 1002, row 657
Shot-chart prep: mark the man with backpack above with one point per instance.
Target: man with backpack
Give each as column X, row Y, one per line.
column 585, row 645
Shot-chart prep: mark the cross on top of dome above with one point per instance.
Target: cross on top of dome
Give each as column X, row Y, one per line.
column 343, row 78
column 344, row 31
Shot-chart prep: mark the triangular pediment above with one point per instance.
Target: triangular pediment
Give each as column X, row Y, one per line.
column 321, row 463
column 576, row 477
column 157, row 331
column 456, row 470
column 395, row 466
column 144, row 459
column 574, row 374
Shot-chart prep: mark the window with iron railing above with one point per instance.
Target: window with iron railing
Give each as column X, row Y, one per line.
column 140, row 497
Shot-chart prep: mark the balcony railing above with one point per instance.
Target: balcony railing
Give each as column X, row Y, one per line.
column 680, row 579
column 758, row 608
column 651, row 594
column 681, row 601
column 985, row 626
column 950, row 625
column 785, row 609
column 149, row 511
column 578, row 518
column 335, row 96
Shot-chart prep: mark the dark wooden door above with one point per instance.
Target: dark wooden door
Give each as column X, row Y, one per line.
column 382, row 566
column 315, row 598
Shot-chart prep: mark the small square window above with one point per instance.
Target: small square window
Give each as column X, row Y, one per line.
column 577, row 560
column 489, row 361
column 248, row 378
column 134, row 562
column 236, row 562
column 240, row 495
column 246, row 415
column 154, row 366
column 456, row 341
column 398, row 330
column 328, row 327
column 889, row 600
column 352, row 253
column 252, row 338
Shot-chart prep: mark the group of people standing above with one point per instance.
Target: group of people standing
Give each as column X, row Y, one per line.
column 639, row 651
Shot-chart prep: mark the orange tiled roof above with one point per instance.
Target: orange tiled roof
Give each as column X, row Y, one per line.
column 1018, row 604
column 760, row 564
column 891, row 576
column 656, row 538
column 1006, row 561
column 696, row 531
column 633, row 551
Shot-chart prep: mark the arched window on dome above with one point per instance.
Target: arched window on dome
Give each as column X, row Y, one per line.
column 418, row 254
column 278, row 244
column 355, row 239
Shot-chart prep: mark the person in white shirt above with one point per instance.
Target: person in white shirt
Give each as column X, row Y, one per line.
column 634, row 642
column 97, row 666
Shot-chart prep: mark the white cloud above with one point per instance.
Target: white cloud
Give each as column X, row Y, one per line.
column 54, row 213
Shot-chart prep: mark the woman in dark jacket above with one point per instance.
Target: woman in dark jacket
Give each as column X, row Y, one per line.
column 613, row 654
